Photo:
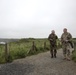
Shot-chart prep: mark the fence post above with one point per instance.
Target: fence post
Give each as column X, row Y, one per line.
column 44, row 45
column 6, row 52
column 33, row 45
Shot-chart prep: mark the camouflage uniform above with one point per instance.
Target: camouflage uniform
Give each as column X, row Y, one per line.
column 66, row 39
column 52, row 38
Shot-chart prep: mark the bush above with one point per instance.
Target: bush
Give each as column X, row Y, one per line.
column 20, row 48
column 24, row 40
column 33, row 52
column 19, row 53
column 10, row 58
column 2, row 59
column 74, row 55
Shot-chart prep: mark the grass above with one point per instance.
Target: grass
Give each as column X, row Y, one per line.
column 74, row 56
column 2, row 54
column 23, row 48
column 74, row 52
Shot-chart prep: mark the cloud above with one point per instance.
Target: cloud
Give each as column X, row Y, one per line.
column 36, row 18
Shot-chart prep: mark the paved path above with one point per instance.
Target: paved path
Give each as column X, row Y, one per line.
column 41, row 64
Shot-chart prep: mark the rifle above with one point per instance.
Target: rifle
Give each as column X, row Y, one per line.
column 71, row 44
column 67, row 41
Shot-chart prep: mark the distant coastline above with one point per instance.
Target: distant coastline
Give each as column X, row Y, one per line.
column 8, row 40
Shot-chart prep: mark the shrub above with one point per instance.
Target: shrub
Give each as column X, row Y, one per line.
column 32, row 52
column 19, row 53
column 24, row 40
column 74, row 55
column 10, row 58
column 2, row 59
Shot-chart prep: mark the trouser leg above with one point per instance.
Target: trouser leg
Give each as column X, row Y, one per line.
column 55, row 51
column 64, row 53
column 68, row 54
column 51, row 52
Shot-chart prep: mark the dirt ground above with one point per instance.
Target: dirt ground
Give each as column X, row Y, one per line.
column 41, row 64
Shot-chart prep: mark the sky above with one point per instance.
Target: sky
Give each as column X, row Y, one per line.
column 36, row 18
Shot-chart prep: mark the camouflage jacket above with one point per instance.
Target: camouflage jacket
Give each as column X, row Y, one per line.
column 66, row 37
column 52, row 38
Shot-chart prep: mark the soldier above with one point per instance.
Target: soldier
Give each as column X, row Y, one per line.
column 66, row 39
column 52, row 38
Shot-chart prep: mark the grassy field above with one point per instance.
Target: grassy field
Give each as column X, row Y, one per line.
column 24, row 47
column 74, row 56
column 74, row 52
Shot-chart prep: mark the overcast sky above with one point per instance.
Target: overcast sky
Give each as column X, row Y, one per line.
column 36, row 18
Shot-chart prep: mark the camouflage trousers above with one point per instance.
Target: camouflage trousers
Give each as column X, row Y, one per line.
column 53, row 50
column 66, row 49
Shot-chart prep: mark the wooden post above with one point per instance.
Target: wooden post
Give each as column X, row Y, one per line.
column 33, row 45
column 6, row 52
column 44, row 45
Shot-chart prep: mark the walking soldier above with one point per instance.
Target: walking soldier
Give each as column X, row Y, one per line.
column 66, row 39
column 53, row 45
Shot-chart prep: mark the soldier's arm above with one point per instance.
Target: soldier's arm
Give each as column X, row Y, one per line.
column 49, row 37
column 70, row 37
column 62, row 38
column 70, row 41
column 56, row 37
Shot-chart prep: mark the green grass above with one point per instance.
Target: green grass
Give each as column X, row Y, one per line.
column 2, row 54
column 74, row 52
column 23, row 48
column 74, row 56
